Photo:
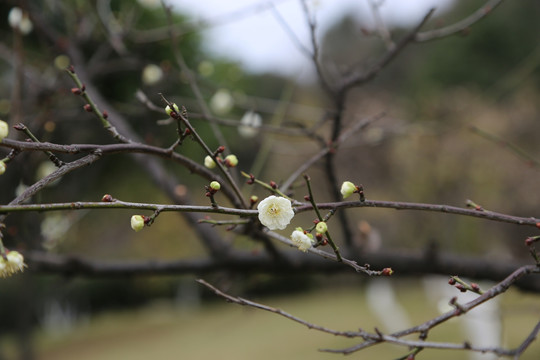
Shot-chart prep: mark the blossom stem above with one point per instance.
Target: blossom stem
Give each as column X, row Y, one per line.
column 266, row 186
column 316, row 209
column 224, row 222
column 27, row 132
column 106, row 124
column 201, row 142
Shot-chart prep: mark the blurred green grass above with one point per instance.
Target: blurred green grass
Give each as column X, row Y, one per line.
column 222, row 330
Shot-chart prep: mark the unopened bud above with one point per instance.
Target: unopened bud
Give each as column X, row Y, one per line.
column 87, row 108
column 231, row 160
column 4, row 130
column 137, row 222
column 387, row 271
column 170, row 110
column 214, row 185
column 76, row 91
column 347, row 189
column 253, row 199
column 321, row 227
column 209, row 162
column 2, row 167
column 107, row 198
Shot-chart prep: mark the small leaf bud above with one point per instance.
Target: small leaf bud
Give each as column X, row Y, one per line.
column 387, row 271
column 107, row 198
column 137, row 222
column 87, row 108
column 76, row 91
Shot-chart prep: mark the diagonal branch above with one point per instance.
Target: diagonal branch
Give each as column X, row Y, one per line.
column 359, row 79
column 460, row 25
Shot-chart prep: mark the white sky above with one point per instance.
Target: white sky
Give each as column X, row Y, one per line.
column 259, row 42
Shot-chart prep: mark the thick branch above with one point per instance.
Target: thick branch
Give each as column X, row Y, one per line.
column 403, row 263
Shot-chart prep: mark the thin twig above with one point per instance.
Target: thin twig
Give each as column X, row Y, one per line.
column 460, row 26
column 520, row 153
column 378, row 337
column 359, row 79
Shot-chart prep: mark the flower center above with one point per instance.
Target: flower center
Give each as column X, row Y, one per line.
column 273, row 210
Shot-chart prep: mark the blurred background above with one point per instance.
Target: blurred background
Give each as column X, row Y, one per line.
column 461, row 122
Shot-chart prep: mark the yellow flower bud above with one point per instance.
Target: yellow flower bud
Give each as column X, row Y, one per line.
column 214, row 185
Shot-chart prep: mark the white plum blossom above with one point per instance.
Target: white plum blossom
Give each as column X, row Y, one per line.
column 301, row 240
column 249, row 124
column 222, row 102
column 12, row 263
column 18, row 19
column 275, row 212
column 152, row 74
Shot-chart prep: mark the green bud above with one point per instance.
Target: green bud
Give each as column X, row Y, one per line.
column 4, row 130
column 214, row 185
column 321, row 227
column 347, row 189
column 169, row 111
column 231, row 160
column 137, row 222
